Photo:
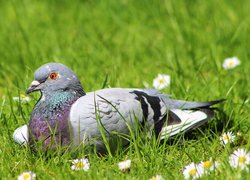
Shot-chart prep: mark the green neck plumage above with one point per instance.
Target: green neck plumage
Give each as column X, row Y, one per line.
column 54, row 104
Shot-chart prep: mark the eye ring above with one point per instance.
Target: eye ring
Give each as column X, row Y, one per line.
column 53, row 76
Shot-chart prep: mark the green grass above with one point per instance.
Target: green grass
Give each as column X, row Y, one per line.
column 130, row 42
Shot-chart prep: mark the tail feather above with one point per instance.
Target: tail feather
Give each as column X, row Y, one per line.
column 190, row 119
column 179, row 104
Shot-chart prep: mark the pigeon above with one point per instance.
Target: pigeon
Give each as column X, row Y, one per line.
column 65, row 115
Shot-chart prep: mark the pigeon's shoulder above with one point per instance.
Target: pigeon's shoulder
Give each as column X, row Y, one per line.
column 107, row 102
column 105, row 96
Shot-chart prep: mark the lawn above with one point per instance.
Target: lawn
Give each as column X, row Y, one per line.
column 129, row 43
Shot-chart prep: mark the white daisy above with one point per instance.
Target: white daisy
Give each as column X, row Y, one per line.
column 80, row 164
column 230, row 63
column 161, row 81
column 240, row 158
column 157, row 177
column 227, row 137
column 209, row 165
column 27, row 176
column 193, row 171
column 124, row 165
column 22, row 98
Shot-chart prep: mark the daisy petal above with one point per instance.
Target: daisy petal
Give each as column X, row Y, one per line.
column 227, row 137
column 240, row 159
column 27, row 176
column 124, row 165
column 230, row 63
column 193, row 171
column 161, row 81
column 80, row 164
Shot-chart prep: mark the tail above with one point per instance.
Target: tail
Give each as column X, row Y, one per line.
column 179, row 104
column 186, row 116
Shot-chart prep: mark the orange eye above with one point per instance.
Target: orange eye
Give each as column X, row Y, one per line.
column 53, row 76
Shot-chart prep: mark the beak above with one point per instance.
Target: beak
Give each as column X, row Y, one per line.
column 33, row 87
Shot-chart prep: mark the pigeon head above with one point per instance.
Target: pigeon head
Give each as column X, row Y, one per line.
column 54, row 77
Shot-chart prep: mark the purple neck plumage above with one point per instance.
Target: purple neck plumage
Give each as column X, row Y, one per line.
column 49, row 119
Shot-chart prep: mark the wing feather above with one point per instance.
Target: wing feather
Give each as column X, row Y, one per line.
column 113, row 107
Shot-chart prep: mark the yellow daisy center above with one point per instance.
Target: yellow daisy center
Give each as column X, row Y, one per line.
column 80, row 165
column 192, row 172
column 231, row 63
column 162, row 81
column 22, row 96
column 207, row 164
column 153, row 178
column 242, row 159
column 225, row 137
column 26, row 176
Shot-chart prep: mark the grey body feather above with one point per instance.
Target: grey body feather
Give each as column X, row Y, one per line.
column 114, row 106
